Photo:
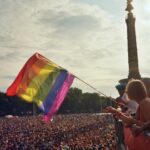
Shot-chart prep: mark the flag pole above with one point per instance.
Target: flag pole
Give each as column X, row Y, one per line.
column 100, row 93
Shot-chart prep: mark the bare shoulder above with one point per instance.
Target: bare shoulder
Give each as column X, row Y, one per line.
column 145, row 104
column 145, row 108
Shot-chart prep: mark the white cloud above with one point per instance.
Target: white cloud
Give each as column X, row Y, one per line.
column 87, row 39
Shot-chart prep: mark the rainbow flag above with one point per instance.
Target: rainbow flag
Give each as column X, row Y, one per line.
column 42, row 81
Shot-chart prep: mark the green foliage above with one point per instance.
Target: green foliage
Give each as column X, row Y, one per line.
column 75, row 102
column 78, row 102
column 14, row 105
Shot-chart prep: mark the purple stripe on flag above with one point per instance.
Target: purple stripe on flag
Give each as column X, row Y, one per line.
column 60, row 97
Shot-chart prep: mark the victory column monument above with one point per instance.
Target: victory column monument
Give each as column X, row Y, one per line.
column 132, row 49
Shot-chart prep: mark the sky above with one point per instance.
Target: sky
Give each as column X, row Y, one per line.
column 87, row 37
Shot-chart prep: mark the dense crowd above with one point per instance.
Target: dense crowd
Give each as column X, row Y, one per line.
column 75, row 132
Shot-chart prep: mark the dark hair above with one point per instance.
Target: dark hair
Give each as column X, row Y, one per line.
column 136, row 90
column 120, row 86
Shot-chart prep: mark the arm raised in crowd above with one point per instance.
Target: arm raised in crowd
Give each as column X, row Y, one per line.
column 126, row 119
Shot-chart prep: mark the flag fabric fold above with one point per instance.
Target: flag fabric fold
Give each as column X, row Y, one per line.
column 42, row 81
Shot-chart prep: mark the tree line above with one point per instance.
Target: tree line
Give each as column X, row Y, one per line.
column 75, row 102
column 78, row 102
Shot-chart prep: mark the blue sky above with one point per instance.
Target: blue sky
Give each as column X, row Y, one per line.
column 87, row 37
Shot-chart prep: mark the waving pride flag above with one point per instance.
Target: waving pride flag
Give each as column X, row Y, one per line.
column 43, row 82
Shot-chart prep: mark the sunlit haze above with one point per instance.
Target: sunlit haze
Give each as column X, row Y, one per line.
column 87, row 37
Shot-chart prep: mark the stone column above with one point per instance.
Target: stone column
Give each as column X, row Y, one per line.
column 132, row 45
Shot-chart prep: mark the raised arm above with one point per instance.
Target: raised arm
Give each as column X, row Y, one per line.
column 126, row 119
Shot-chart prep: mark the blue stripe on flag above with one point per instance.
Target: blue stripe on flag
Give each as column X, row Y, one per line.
column 48, row 102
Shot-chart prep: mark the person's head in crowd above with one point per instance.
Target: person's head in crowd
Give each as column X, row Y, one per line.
column 122, row 97
column 136, row 90
column 121, row 88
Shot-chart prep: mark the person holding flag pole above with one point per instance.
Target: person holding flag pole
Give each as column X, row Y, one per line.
column 135, row 128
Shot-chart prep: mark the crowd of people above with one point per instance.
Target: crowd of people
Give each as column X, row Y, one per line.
column 75, row 132
column 84, row 131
